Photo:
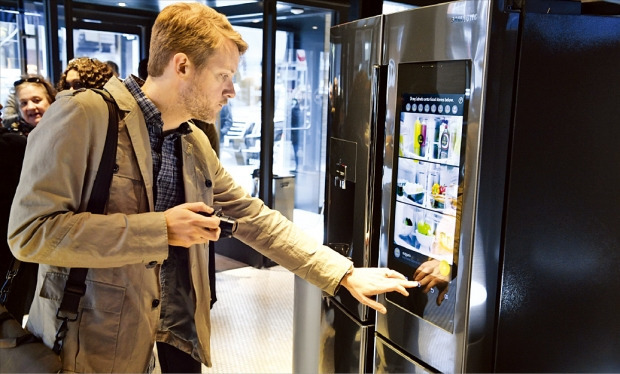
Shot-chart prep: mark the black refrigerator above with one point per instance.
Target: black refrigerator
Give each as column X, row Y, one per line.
column 495, row 124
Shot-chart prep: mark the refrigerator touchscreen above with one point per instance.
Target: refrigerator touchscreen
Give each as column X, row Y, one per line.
column 427, row 184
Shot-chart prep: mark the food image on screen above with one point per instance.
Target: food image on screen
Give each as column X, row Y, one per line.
column 427, row 180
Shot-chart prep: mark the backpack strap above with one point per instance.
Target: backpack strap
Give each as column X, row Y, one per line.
column 75, row 287
column 8, row 280
column 101, row 187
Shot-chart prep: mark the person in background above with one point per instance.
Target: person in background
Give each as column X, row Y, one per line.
column 84, row 72
column 147, row 258
column 297, row 128
column 34, row 95
column 12, row 149
column 11, row 111
column 226, row 120
column 114, row 67
column 142, row 68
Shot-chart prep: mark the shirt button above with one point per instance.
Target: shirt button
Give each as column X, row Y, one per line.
column 155, row 303
column 151, row 264
column 208, row 183
column 116, row 168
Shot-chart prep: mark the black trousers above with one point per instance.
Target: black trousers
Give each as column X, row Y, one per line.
column 173, row 360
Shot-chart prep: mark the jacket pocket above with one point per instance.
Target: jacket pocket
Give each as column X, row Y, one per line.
column 127, row 192
column 92, row 340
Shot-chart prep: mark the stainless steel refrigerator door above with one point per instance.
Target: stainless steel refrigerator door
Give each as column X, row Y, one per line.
column 558, row 308
column 451, row 31
column 389, row 359
column 347, row 345
column 350, row 184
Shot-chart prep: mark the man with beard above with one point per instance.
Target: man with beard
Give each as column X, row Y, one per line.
column 147, row 256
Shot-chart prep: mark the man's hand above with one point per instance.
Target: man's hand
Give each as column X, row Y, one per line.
column 186, row 227
column 429, row 275
column 365, row 282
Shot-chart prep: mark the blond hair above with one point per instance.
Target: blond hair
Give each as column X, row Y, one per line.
column 191, row 28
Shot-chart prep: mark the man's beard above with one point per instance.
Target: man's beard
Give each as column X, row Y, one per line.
column 198, row 107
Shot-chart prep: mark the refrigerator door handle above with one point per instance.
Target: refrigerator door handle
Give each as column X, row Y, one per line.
column 375, row 169
column 342, row 248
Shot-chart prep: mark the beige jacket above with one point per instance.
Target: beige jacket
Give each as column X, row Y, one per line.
column 123, row 249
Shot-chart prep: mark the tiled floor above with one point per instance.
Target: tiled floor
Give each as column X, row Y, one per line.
column 252, row 321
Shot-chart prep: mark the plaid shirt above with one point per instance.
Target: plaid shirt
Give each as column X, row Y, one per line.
column 168, row 192
column 165, row 149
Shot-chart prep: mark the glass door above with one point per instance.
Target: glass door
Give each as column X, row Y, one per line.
column 300, row 99
column 119, row 47
column 299, row 151
column 240, row 119
column 301, row 75
column 22, row 45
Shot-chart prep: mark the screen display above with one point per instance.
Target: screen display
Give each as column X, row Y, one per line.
column 427, row 184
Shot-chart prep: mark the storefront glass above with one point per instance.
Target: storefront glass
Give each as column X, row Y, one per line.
column 121, row 48
column 22, row 45
column 300, row 97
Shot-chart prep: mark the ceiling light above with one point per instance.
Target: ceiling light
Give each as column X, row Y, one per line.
column 297, row 11
column 122, row 4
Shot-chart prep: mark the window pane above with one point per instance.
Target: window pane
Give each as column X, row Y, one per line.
column 240, row 132
column 301, row 74
column 121, row 48
column 10, row 64
column 35, row 53
column 393, row 7
column 301, row 102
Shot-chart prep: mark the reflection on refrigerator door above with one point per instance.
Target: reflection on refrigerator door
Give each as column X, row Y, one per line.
column 389, row 359
column 344, row 341
column 480, row 201
column 429, row 115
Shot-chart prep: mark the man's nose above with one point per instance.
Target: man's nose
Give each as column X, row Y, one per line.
column 229, row 91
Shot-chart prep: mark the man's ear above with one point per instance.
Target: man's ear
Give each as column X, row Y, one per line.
column 181, row 64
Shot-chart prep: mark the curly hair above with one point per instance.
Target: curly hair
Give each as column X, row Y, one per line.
column 93, row 73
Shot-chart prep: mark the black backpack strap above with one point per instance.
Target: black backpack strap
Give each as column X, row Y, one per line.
column 8, row 280
column 75, row 287
column 101, row 187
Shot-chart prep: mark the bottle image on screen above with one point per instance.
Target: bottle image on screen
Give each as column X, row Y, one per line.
column 444, row 141
column 401, row 138
column 405, row 135
column 455, row 138
column 407, row 139
column 422, row 139
column 436, row 132
column 416, row 136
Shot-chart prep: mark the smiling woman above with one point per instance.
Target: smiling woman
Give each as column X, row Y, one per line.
column 33, row 94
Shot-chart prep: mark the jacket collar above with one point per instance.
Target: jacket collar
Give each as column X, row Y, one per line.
column 136, row 128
